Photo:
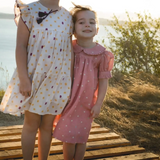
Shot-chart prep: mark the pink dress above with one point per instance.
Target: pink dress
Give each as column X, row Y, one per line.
column 91, row 64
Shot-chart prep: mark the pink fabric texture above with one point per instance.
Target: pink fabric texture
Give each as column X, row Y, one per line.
column 91, row 65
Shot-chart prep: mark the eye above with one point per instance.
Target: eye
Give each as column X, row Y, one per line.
column 81, row 22
column 92, row 22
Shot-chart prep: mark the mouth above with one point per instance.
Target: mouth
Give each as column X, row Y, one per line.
column 87, row 31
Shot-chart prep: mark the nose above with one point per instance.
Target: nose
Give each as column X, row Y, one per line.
column 87, row 25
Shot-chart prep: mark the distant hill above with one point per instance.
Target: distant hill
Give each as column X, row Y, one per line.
column 11, row 16
column 6, row 16
column 102, row 21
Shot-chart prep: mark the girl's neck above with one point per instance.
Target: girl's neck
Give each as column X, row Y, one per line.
column 52, row 4
column 86, row 43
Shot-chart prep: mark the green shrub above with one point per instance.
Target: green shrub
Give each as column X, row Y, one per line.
column 137, row 46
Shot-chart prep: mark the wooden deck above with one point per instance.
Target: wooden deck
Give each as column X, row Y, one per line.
column 102, row 145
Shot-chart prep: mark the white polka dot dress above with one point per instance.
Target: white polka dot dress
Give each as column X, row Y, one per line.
column 49, row 61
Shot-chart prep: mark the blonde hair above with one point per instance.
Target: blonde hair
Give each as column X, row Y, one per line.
column 78, row 8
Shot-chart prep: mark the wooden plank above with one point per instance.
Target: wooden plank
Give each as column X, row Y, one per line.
column 107, row 144
column 114, row 152
column 140, row 156
column 99, row 130
column 98, row 137
column 19, row 131
column 16, row 138
column 51, row 157
column 59, row 148
column 56, row 157
column 94, row 125
column 11, row 127
column 95, row 137
column 10, row 138
column 10, row 132
column 90, row 155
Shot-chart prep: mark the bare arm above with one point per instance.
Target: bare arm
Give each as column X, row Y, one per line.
column 103, row 84
column 21, row 58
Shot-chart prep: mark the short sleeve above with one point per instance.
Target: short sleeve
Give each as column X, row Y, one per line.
column 23, row 10
column 106, row 65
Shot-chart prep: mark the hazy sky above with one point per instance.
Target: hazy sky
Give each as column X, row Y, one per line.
column 104, row 7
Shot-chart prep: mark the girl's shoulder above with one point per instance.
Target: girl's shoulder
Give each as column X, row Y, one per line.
column 65, row 12
column 35, row 6
column 25, row 11
column 105, row 51
column 30, row 7
column 98, row 49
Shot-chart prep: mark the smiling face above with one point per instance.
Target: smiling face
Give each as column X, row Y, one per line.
column 85, row 25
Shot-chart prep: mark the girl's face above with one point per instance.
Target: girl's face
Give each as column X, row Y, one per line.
column 85, row 26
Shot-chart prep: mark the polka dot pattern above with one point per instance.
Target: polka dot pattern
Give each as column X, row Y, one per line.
column 90, row 65
column 49, row 60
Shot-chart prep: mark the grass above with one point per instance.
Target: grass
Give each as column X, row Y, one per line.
column 1, row 94
column 131, row 109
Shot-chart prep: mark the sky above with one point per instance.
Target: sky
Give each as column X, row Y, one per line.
column 105, row 8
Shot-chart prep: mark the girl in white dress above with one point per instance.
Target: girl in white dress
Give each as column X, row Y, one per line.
column 40, row 86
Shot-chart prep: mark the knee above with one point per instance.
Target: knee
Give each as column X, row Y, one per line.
column 32, row 124
column 46, row 127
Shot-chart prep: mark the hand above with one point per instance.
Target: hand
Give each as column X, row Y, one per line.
column 25, row 87
column 95, row 110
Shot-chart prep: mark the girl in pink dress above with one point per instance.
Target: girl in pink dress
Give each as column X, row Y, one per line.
column 92, row 69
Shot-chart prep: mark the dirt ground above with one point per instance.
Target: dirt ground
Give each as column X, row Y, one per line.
column 9, row 120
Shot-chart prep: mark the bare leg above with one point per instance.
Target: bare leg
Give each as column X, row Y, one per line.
column 80, row 151
column 30, row 127
column 45, row 136
column 68, row 151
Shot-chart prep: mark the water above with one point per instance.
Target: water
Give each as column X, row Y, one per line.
column 7, row 48
column 7, row 44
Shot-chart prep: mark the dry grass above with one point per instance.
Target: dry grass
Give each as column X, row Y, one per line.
column 132, row 109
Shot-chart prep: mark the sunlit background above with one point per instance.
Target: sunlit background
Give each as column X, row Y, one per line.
column 105, row 8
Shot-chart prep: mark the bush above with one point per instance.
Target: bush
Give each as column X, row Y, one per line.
column 137, row 46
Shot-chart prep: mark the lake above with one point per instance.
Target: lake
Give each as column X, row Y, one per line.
column 7, row 48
